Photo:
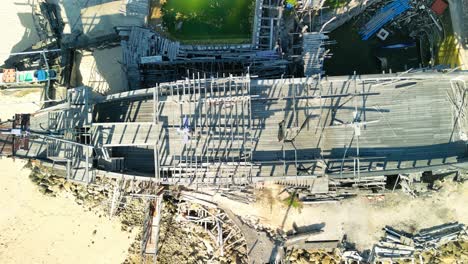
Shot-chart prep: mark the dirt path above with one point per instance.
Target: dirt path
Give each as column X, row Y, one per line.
column 35, row 228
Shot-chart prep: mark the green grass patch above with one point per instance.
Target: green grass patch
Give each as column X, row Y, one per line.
column 209, row 21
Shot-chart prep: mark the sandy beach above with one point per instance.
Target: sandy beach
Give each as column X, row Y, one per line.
column 35, row 228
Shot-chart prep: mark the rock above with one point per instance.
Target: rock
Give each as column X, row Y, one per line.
column 98, row 197
column 92, row 191
column 437, row 185
column 447, row 259
column 326, row 260
column 208, row 246
column 43, row 189
column 53, row 180
column 313, row 259
column 68, row 186
column 293, row 256
column 223, row 259
column 61, row 180
column 79, row 201
column 81, row 193
column 54, row 188
column 39, row 175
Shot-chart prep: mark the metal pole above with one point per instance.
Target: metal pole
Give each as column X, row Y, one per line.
column 34, row 52
column 155, row 123
column 87, row 165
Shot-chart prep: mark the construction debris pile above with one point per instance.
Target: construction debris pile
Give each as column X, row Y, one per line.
column 415, row 19
column 400, row 245
column 228, row 242
column 243, row 194
column 437, row 244
column 448, row 253
column 302, row 256
column 50, row 184
column 185, row 239
column 326, row 189
column 183, row 242
column 384, row 15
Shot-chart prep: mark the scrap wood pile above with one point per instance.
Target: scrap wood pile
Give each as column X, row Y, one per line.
column 400, row 245
column 316, row 256
column 228, row 242
column 239, row 193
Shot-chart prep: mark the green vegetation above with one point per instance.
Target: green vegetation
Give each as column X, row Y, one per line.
column 293, row 201
column 209, row 21
column 335, row 4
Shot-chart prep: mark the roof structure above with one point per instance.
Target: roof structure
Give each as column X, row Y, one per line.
column 235, row 129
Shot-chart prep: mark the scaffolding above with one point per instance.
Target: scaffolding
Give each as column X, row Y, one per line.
column 68, row 137
column 151, row 228
column 267, row 22
column 224, row 232
column 313, row 52
column 214, row 127
column 150, row 58
column 203, row 130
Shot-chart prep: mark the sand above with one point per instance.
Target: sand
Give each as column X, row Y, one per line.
column 19, row 101
column 101, row 70
column 35, row 228
column 17, row 24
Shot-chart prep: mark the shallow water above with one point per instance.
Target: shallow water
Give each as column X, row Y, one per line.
column 208, row 19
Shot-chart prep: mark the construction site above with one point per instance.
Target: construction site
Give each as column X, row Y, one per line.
column 224, row 131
